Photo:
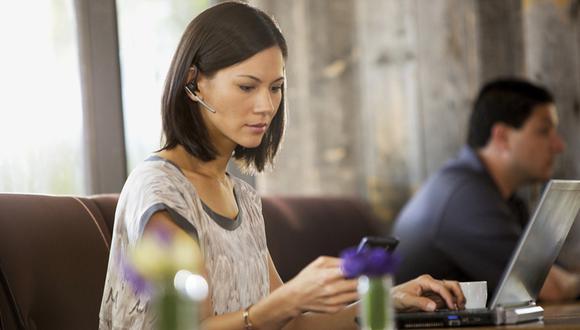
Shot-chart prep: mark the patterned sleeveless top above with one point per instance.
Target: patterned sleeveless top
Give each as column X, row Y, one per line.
column 235, row 251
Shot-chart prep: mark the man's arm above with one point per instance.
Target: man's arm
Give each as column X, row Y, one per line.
column 560, row 285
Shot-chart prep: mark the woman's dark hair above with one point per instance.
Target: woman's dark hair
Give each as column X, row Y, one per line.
column 510, row 101
column 219, row 37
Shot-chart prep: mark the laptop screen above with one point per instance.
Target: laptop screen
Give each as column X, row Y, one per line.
column 540, row 244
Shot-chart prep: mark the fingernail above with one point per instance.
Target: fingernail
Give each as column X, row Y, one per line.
column 431, row 306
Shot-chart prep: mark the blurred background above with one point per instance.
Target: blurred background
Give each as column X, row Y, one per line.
column 379, row 91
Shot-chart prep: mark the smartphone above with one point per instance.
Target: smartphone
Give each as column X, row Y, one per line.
column 388, row 243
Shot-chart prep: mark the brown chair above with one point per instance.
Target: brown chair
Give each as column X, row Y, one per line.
column 54, row 250
column 53, row 260
column 299, row 229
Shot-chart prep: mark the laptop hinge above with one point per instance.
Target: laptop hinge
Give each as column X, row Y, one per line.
column 519, row 313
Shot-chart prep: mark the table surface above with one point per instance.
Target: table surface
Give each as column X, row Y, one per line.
column 563, row 316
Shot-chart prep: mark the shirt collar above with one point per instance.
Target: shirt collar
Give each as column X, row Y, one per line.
column 469, row 157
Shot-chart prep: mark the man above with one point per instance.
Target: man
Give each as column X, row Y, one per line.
column 466, row 220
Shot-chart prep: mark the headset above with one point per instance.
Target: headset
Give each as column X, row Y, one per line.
column 189, row 88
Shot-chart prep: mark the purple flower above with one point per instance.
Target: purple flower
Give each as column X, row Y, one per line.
column 140, row 285
column 371, row 262
column 163, row 236
column 353, row 264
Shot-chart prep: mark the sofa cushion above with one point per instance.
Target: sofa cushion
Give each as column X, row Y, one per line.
column 106, row 203
column 299, row 229
column 53, row 259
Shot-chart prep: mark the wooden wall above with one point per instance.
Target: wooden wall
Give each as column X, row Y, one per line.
column 553, row 58
column 380, row 90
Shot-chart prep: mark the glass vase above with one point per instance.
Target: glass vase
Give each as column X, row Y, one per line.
column 376, row 311
column 174, row 310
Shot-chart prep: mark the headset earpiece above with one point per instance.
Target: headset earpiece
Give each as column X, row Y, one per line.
column 190, row 87
column 189, row 90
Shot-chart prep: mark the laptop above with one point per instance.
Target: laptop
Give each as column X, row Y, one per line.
column 514, row 299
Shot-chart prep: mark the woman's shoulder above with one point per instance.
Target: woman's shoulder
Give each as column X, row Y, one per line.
column 155, row 175
column 153, row 185
column 246, row 191
column 243, row 185
column 154, row 168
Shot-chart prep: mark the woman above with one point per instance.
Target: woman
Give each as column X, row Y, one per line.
column 223, row 98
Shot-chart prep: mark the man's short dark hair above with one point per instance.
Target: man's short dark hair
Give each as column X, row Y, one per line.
column 508, row 100
column 221, row 36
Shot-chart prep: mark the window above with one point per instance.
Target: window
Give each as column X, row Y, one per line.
column 40, row 103
column 148, row 35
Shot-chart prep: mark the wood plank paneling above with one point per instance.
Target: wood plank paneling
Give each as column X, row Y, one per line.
column 552, row 34
column 380, row 91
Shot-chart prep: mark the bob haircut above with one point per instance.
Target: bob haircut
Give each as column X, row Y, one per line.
column 219, row 37
column 508, row 100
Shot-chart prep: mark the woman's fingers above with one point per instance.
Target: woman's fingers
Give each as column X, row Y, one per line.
column 456, row 289
column 323, row 288
column 329, row 275
column 327, row 262
column 325, row 269
column 430, row 284
column 329, row 309
column 426, row 293
column 341, row 299
column 341, row 286
column 408, row 302
column 439, row 302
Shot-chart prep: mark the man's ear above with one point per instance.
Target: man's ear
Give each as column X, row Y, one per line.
column 500, row 136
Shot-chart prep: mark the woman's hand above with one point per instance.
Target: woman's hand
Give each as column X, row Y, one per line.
column 321, row 287
column 427, row 294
